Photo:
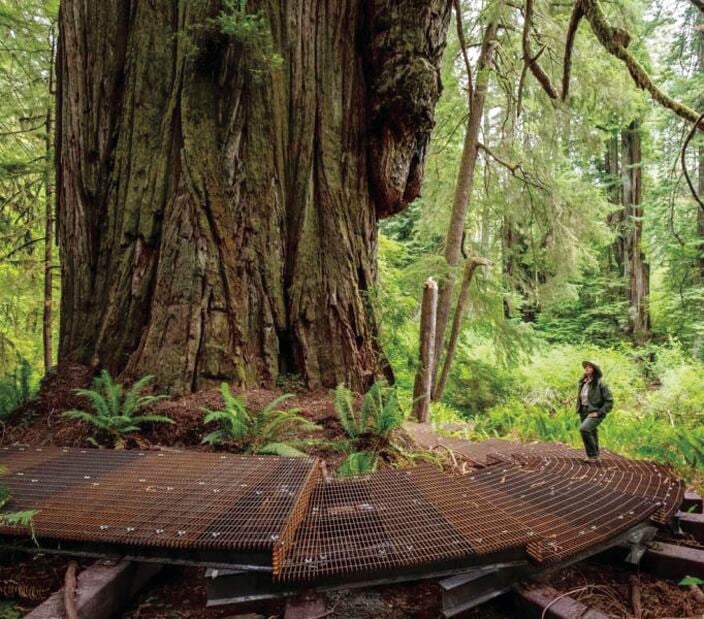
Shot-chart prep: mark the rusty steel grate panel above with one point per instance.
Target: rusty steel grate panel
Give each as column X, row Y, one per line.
column 566, row 515
column 493, row 451
column 640, row 478
column 396, row 518
column 160, row 499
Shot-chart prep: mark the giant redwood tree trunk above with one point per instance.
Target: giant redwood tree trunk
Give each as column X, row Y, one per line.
column 217, row 210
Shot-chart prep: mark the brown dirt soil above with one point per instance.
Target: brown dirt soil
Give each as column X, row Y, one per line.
column 608, row 591
column 181, row 593
column 40, row 421
column 28, row 580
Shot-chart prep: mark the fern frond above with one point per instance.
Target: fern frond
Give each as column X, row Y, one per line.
column 274, row 404
column 140, row 419
column 132, row 398
column 100, row 404
column 358, row 463
column 95, row 420
column 214, row 438
column 344, row 407
column 280, row 449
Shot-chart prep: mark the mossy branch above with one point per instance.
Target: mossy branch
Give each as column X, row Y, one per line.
column 616, row 42
column 576, row 17
column 532, row 61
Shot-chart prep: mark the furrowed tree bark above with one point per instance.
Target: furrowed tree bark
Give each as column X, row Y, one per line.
column 217, row 211
column 422, row 389
column 615, row 196
column 470, row 267
column 637, row 271
column 464, row 185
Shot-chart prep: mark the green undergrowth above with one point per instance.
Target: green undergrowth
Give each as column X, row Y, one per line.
column 16, row 388
column 369, row 427
column 115, row 412
column 272, row 430
column 658, row 391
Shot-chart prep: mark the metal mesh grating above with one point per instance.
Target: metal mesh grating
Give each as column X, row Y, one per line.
column 392, row 519
column 491, row 451
column 639, row 478
column 539, row 498
column 566, row 515
column 161, row 499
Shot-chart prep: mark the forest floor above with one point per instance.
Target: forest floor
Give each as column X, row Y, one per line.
column 180, row 593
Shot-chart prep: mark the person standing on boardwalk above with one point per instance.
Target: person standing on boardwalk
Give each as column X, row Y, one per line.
column 594, row 401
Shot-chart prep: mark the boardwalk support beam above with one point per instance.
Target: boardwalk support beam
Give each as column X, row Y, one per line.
column 102, row 591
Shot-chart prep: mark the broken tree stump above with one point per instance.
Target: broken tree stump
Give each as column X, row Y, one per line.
column 423, row 388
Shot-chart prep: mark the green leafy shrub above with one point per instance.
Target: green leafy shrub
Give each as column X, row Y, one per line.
column 477, row 381
column 549, row 380
column 16, row 389
column 379, row 415
column 269, row 431
column 358, row 463
column 353, row 422
column 251, row 30
column 115, row 413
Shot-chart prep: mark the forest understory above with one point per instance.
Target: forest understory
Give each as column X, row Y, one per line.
column 291, row 226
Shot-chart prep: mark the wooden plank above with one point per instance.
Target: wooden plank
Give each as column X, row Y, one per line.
column 692, row 524
column 673, row 562
column 305, row 606
column 692, row 503
column 533, row 603
column 103, row 590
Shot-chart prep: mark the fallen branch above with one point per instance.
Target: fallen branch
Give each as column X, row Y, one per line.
column 634, row 586
column 70, row 591
column 696, row 593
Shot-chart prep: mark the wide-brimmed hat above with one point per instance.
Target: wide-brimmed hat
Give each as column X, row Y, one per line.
column 586, row 362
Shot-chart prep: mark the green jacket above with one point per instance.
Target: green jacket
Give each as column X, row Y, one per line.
column 599, row 398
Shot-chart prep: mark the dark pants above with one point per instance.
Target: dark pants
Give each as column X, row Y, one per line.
column 589, row 433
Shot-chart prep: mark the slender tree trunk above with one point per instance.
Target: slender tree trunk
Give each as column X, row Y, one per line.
column 700, row 214
column 464, row 185
column 615, row 195
column 700, row 153
column 218, row 209
column 469, row 268
column 637, row 271
column 49, row 206
column 47, row 320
